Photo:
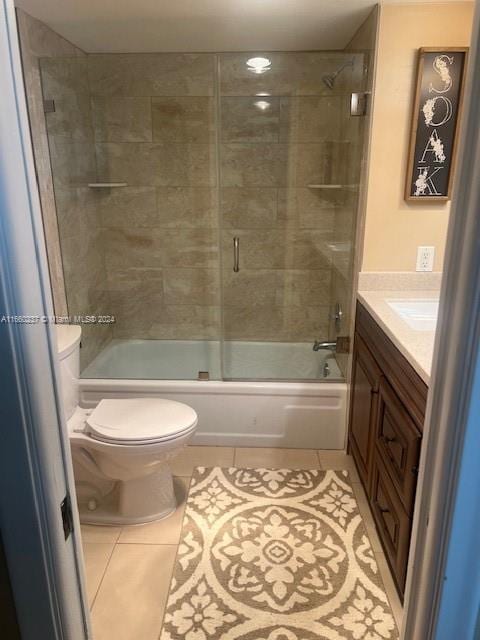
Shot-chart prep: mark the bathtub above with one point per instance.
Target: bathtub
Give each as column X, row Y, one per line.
column 295, row 410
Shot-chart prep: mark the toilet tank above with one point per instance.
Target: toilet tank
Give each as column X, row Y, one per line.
column 68, row 345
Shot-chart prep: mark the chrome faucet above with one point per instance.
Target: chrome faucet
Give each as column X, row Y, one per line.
column 331, row 346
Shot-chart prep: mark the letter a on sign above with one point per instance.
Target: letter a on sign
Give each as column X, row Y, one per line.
column 434, row 145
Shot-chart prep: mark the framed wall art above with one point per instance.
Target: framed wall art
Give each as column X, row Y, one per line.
column 435, row 123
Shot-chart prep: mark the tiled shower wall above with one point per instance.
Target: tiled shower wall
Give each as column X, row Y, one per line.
column 186, row 140
column 39, row 41
column 72, row 155
column 154, row 121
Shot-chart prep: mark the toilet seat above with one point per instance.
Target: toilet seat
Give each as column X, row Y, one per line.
column 139, row 420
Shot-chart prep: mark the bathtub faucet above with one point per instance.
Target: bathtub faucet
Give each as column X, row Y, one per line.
column 331, row 346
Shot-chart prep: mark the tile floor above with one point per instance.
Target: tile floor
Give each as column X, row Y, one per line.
column 128, row 569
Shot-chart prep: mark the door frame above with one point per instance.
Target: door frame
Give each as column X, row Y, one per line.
column 46, row 572
column 45, row 569
column 439, row 605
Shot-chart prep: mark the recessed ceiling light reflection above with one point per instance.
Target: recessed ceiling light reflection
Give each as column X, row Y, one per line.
column 259, row 65
column 263, row 105
column 262, row 93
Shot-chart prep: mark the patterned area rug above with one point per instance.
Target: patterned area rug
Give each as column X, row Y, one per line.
column 275, row 555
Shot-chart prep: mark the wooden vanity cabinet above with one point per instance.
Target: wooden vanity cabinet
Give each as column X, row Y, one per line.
column 387, row 410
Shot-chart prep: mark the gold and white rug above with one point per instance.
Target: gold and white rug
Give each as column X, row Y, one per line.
column 275, row 555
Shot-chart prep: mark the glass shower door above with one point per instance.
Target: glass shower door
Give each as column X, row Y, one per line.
column 133, row 159
column 207, row 203
column 285, row 185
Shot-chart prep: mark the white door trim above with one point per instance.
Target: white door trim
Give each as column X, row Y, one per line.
column 448, row 424
column 46, row 571
column 35, row 466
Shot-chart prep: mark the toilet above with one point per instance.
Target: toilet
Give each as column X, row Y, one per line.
column 122, row 448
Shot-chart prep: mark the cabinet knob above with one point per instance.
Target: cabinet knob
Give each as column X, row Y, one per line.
column 380, row 508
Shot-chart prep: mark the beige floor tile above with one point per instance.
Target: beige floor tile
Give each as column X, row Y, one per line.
column 390, row 588
column 166, row 531
column 96, row 556
column 97, row 533
column 338, row 460
column 367, row 516
column 132, row 597
column 276, row 458
column 191, row 457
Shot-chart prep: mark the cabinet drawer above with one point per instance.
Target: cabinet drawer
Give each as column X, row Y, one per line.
column 392, row 521
column 398, row 443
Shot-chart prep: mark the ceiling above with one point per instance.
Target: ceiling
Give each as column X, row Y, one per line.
column 202, row 25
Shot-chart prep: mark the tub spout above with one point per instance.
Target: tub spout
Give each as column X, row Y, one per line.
column 330, row 346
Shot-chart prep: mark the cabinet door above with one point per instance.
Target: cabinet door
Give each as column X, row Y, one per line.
column 363, row 406
column 398, row 442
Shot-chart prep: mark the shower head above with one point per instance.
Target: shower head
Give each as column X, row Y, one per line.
column 329, row 78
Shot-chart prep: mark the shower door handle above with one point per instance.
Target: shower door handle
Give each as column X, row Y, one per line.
column 236, row 255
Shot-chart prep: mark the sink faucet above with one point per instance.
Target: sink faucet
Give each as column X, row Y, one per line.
column 331, row 346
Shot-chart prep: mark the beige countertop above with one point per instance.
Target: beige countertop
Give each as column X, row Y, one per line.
column 414, row 344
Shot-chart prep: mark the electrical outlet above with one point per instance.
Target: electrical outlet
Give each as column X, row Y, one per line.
column 425, row 256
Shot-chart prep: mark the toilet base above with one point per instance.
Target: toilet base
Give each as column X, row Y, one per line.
column 104, row 517
column 135, row 501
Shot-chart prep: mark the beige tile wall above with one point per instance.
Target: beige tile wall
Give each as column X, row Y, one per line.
column 38, row 41
column 72, row 154
column 155, row 122
column 154, row 128
column 62, row 146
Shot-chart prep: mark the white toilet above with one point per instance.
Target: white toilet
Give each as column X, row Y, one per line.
column 122, row 448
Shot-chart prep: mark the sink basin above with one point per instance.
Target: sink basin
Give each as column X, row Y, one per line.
column 419, row 314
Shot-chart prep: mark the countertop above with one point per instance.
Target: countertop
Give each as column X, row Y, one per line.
column 415, row 345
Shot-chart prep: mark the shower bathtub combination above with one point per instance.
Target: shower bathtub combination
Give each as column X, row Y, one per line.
column 208, row 202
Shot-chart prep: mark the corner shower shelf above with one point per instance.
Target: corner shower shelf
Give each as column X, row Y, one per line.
column 332, row 186
column 107, row 185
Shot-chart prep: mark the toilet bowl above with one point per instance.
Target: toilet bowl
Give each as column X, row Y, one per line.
column 122, row 448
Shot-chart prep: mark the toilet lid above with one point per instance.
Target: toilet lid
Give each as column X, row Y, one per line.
column 140, row 419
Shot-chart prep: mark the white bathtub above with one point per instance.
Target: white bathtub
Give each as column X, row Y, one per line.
column 183, row 359
column 298, row 414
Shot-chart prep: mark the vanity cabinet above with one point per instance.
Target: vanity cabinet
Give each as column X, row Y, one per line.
column 387, row 411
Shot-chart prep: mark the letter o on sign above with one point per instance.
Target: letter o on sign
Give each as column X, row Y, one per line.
column 446, row 109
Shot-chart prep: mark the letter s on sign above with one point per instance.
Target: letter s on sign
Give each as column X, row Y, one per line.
column 440, row 66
